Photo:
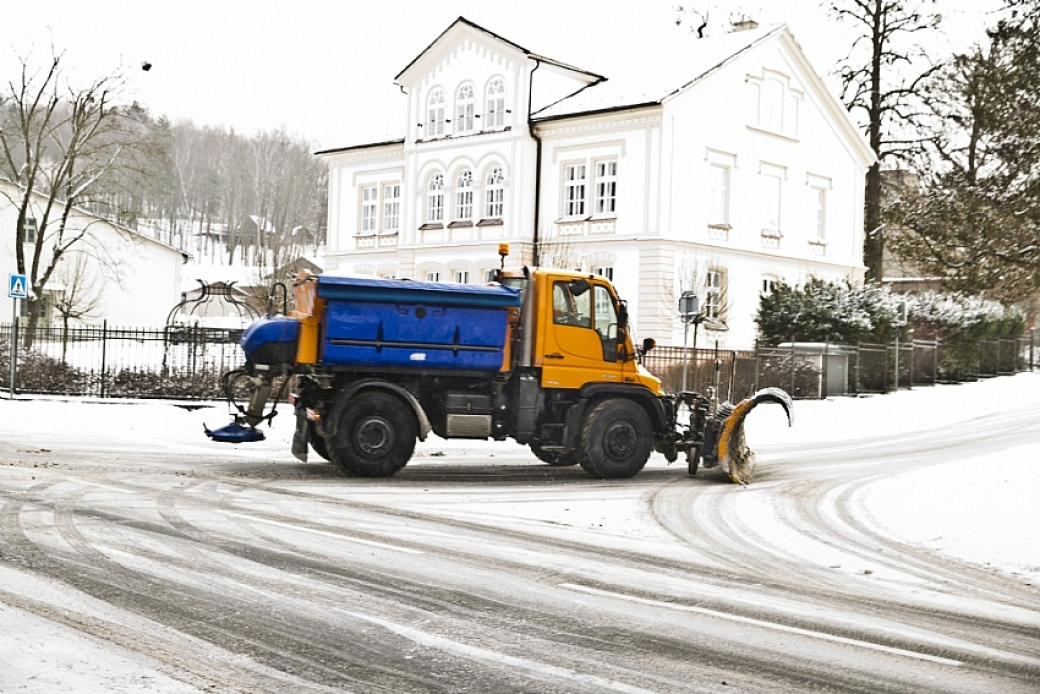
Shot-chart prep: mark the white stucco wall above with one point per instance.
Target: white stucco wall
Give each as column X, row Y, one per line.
column 136, row 280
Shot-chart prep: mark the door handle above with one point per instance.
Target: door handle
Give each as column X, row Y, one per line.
column 554, row 355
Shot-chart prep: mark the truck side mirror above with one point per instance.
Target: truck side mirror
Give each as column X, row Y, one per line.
column 648, row 344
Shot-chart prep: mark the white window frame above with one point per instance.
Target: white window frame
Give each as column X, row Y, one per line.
column 465, row 109
column 460, row 276
column 768, row 284
column 391, row 208
column 495, row 104
column 435, row 199
column 494, row 193
column 714, row 288
column 606, row 186
column 818, row 194
column 435, row 113
column 29, row 230
column 463, row 208
column 771, row 199
column 604, row 271
column 776, row 103
column 720, row 177
column 575, row 187
column 433, row 276
column 369, row 210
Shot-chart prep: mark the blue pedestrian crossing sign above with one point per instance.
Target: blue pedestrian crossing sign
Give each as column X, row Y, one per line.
column 18, row 287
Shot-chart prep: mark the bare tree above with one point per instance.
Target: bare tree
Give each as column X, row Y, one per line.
column 79, row 296
column 881, row 79
column 708, row 280
column 61, row 147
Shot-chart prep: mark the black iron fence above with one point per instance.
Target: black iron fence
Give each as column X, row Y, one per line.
column 181, row 362
column 818, row 370
column 187, row 363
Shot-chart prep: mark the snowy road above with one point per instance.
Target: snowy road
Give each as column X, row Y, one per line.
column 165, row 563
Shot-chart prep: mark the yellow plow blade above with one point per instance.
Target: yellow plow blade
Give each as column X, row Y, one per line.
column 734, row 455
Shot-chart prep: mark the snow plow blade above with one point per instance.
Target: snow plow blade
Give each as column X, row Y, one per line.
column 234, row 433
column 733, row 453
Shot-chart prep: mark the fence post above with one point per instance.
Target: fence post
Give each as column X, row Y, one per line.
column 104, row 354
column 1032, row 344
column 792, row 370
column 823, row 369
column 913, row 351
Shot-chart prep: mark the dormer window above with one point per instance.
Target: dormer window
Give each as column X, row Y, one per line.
column 465, row 103
column 495, row 104
column 435, row 114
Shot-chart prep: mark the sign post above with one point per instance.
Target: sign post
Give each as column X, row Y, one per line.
column 689, row 305
column 17, row 289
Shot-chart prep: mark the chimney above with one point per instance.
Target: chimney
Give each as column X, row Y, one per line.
column 744, row 24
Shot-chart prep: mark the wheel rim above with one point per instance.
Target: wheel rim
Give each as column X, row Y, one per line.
column 375, row 436
column 620, row 440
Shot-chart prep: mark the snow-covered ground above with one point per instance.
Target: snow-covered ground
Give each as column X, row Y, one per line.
column 921, row 507
column 982, row 510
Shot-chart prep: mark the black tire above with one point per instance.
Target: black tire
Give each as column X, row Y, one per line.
column 554, row 458
column 375, row 435
column 317, row 442
column 616, row 439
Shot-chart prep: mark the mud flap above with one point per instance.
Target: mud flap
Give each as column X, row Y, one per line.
column 733, row 453
column 299, row 441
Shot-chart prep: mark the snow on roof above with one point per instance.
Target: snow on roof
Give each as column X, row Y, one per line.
column 642, row 75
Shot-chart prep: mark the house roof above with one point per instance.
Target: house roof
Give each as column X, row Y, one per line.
column 644, row 77
column 462, row 24
column 648, row 72
column 90, row 215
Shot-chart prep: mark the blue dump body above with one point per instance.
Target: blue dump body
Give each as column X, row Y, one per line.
column 374, row 323
column 414, row 325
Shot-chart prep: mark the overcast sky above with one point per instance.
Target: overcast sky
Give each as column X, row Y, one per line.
column 324, row 69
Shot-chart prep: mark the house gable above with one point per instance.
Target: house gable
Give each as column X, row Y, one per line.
column 469, row 62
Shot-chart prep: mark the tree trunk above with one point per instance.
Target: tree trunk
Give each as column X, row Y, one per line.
column 874, row 233
column 35, row 307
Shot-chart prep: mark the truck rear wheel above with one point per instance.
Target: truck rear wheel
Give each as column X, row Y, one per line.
column 616, row 439
column 375, row 435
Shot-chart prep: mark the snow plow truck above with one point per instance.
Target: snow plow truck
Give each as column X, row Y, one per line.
column 542, row 356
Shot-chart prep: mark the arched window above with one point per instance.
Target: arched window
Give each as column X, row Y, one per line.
column 495, row 104
column 494, row 194
column 435, row 113
column 464, row 196
column 435, row 199
column 465, row 103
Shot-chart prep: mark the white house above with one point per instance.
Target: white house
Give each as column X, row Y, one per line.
column 715, row 165
column 132, row 280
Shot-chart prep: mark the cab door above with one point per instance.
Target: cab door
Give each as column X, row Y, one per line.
column 580, row 334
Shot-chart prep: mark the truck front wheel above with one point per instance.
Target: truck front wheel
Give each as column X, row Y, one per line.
column 616, row 439
column 375, row 435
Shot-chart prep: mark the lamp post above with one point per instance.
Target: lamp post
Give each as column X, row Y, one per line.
column 689, row 307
